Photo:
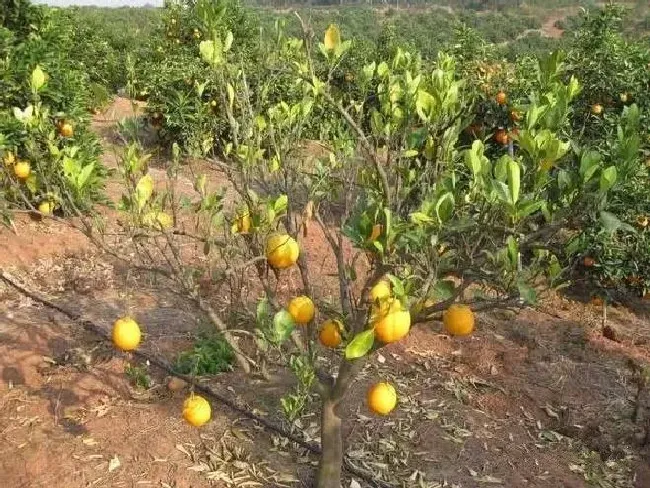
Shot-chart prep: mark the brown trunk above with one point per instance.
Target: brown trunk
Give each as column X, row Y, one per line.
column 331, row 460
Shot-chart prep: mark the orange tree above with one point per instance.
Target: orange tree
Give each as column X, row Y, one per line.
column 437, row 227
column 618, row 238
column 49, row 156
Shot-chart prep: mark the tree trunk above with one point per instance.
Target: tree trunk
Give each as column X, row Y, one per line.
column 331, row 460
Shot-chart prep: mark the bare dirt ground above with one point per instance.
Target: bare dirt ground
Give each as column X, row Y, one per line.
column 540, row 399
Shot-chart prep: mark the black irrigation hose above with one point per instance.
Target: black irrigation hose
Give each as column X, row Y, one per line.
column 207, row 390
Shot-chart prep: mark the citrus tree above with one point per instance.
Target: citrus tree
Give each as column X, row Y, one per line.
column 620, row 246
column 421, row 222
column 49, row 156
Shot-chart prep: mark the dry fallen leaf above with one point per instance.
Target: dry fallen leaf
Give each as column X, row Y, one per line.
column 113, row 464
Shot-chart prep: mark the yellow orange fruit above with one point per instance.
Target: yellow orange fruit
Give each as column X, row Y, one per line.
column 383, row 307
column 301, row 309
column 282, row 251
column 46, row 207
column 332, row 37
column 393, row 326
column 501, row 98
column 330, row 333
column 66, row 130
column 382, row 398
column 643, row 220
column 196, row 410
column 380, row 291
column 22, row 169
column 596, row 109
column 501, row 136
column 126, row 334
column 458, row 320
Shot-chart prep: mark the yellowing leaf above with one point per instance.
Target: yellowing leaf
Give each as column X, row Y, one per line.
column 332, row 38
column 38, row 78
column 144, row 190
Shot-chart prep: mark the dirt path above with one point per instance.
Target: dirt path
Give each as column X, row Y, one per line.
column 540, row 400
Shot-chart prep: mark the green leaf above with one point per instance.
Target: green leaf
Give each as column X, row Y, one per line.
column 398, row 286
column 38, row 78
column 84, row 174
column 211, row 52
column 228, row 42
column 527, row 293
column 611, row 223
column 589, row 164
column 513, row 251
column 607, row 178
column 263, row 313
column 360, row 345
column 443, row 290
column 280, row 204
column 445, row 207
column 501, row 168
column 502, row 190
column 420, row 218
column 283, row 325
column 514, row 180
column 424, row 105
column 143, row 191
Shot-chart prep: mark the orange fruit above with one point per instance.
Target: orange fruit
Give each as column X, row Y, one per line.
column 302, row 309
column 642, row 220
column 66, row 130
column 501, row 98
column 46, row 207
column 330, row 333
column 393, row 326
column 380, row 291
column 458, row 320
column 501, row 136
column 22, row 169
column 382, row 398
column 588, row 262
column 596, row 109
column 282, row 251
column 196, row 410
column 126, row 334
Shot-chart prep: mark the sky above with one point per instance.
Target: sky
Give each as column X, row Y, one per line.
column 101, row 3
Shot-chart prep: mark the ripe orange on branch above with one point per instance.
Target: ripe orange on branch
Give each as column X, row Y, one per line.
column 66, row 130
column 382, row 398
column 392, row 326
column 282, row 251
column 330, row 333
column 501, row 98
column 596, row 109
column 302, row 310
column 22, row 169
column 458, row 320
